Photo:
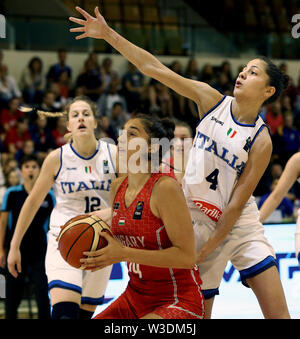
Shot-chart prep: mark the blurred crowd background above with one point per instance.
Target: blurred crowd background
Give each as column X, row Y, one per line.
column 121, row 94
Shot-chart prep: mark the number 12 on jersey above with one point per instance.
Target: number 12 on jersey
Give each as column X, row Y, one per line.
column 135, row 268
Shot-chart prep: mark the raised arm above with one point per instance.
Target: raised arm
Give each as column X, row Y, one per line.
column 30, row 207
column 96, row 27
column 289, row 176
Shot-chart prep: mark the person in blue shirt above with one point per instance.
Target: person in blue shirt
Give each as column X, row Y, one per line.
column 34, row 244
column 286, row 206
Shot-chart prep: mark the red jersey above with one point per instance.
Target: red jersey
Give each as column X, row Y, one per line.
column 168, row 292
column 137, row 227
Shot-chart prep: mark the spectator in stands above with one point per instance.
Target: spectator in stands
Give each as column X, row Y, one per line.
column 93, row 57
column 28, row 149
column 191, row 70
column 42, row 137
column 56, row 69
column 108, row 73
column 49, row 105
column 11, row 179
column 226, row 69
column 117, row 117
column 191, row 110
column 108, row 99
column 9, row 116
column 286, row 141
column 90, row 81
column 286, row 106
column 32, row 83
column 17, row 136
column 286, row 206
column 207, row 74
column 161, row 101
column 59, row 132
column 133, row 86
column 63, row 85
column 274, row 117
column 105, row 129
column 10, row 164
column 178, row 100
column 223, row 84
column 8, row 87
column 48, row 102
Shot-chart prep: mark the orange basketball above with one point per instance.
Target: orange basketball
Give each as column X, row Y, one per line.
column 81, row 234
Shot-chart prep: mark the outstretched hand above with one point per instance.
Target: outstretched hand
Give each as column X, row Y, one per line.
column 92, row 27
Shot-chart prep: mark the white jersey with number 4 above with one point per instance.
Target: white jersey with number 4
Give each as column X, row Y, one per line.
column 82, row 184
column 219, row 153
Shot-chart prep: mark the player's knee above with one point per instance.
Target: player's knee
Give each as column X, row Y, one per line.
column 65, row 310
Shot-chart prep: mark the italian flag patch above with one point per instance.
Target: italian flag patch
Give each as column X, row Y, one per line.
column 231, row 133
column 88, row 169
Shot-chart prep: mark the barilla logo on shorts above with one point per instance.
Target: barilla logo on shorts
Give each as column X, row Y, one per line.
column 210, row 210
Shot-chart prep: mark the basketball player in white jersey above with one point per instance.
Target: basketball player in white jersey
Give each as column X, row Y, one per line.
column 289, row 176
column 231, row 151
column 81, row 173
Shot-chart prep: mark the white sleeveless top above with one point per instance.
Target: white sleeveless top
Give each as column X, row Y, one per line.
column 82, row 184
column 217, row 158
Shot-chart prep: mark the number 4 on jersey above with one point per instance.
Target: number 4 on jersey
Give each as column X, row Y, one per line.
column 213, row 179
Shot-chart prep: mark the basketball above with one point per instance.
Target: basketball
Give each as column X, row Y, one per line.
column 80, row 234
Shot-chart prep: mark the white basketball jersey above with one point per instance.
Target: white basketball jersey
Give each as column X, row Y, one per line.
column 217, row 158
column 82, row 184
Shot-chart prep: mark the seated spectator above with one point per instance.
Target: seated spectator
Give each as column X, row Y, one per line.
column 286, row 206
column 161, row 101
column 58, row 68
column 9, row 165
column 191, row 70
column 8, row 87
column 108, row 73
column 117, row 117
column 274, row 117
column 207, row 74
column 12, row 179
column 63, row 85
column 42, row 137
column 286, row 141
column 90, row 81
column 32, row 83
column 226, row 69
column 59, row 132
column 28, row 149
column 223, row 84
column 16, row 137
column 105, row 130
column 108, row 99
column 9, row 116
column 48, row 105
column 178, row 100
column 133, row 86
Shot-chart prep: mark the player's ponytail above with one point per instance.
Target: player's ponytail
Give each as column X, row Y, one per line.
column 45, row 114
column 277, row 79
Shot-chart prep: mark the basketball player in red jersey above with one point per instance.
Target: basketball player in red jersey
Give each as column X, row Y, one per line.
column 153, row 232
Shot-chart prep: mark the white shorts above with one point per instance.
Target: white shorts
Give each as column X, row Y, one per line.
column 91, row 285
column 245, row 246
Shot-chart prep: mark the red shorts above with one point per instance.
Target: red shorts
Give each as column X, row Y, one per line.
column 135, row 304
